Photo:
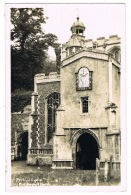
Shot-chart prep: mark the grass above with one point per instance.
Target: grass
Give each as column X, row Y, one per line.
column 45, row 176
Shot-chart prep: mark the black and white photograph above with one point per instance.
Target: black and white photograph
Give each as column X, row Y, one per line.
column 66, row 67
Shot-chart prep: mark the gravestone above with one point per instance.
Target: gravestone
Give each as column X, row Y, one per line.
column 97, row 171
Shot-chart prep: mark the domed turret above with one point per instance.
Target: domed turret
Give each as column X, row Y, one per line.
column 77, row 40
column 78, row 28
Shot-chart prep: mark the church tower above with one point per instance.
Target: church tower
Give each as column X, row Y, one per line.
column 75, row 116
column 87, row 120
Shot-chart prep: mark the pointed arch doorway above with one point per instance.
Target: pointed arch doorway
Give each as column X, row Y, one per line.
column 86, row 150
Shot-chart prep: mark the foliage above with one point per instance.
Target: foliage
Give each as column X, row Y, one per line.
column 19, row 99
column 26, row 22
column 29, row 47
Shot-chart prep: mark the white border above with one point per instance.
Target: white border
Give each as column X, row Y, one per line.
column 126, row 98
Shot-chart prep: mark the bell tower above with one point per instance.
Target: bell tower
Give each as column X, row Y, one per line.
column 76, row 42
column 78, row 28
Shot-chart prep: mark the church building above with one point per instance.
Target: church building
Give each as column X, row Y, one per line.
column 75, row 115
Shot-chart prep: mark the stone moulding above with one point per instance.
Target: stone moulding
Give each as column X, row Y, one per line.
column 62, row 164
column 85, row 53
column 52, row 77
column 34, row 114
column 78, row 133
column 57, row 160
column 111, row 105
column 113, row 133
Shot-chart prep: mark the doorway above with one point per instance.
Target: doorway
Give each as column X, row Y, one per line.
column 86, row 152
column 23, row 146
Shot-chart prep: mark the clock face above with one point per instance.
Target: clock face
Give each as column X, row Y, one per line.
column 84, row 71
column 83, row 77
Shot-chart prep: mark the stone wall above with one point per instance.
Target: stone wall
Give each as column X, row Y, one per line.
column 98, row 95
column 116, row 93
column 19, row 125
column 98, row 119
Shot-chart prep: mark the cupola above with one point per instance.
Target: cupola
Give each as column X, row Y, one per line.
column 78, row 28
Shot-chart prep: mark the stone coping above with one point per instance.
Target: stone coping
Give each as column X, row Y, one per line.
column 42, row 78
column 113, row 133
column 85, row 53
column 84, row 128
column 54, row 167
column 62, row 160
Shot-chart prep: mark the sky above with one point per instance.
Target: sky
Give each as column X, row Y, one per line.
column 100, row 20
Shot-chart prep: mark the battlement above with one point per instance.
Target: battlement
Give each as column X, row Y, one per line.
column 74, row 45
column 42, row 78
column 102, row 41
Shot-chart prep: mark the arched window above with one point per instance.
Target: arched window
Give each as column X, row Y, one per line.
column 53, row 102
column 115, row 51
column 83, row 79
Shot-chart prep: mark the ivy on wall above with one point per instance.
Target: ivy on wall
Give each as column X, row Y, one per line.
column 20, row 99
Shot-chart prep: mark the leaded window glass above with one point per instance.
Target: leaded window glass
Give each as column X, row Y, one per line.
column 53, row 102
column 84, row 104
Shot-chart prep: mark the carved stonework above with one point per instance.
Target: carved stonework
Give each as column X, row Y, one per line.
column 82, row 131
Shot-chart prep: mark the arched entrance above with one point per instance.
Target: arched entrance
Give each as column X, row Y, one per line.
column 86, row 152
column 85, row 149
column 23, row 146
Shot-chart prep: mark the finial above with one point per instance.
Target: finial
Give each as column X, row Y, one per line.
column 77, row 18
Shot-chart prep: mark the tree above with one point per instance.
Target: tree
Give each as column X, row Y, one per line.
column 58, row 56
column 26, row 22
column 29, row 46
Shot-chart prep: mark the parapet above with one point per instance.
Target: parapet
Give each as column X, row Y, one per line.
column 42, row 78
column 102, row 42
column 74, row 45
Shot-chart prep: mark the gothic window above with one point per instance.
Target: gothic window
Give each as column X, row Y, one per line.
column 115, row 53
column 83, row 79
column 84, row 101
column 53, row 102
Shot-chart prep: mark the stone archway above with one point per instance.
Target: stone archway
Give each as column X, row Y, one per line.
column 85, row 147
